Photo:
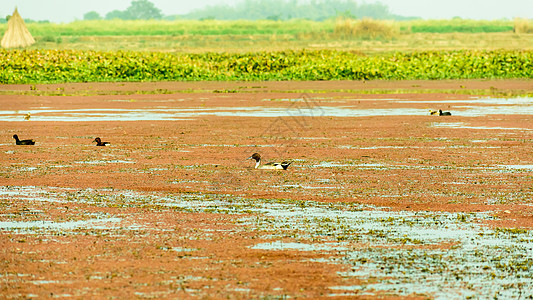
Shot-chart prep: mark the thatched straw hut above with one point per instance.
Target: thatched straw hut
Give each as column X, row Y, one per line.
column 17, row 35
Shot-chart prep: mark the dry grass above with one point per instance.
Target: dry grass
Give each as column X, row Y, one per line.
column 366, row 29
column 523, row 26
column 253, row 43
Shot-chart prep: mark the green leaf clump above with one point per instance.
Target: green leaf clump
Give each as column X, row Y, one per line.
column 58, row 66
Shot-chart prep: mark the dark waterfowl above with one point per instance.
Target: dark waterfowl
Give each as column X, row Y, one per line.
column 99, row 142
column 444, row 113
column 23, row 142
column 271, row 165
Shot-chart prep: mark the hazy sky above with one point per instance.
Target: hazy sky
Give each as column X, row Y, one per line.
column 70, row 10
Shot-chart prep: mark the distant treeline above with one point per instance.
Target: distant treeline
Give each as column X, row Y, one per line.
column 316, row 10
column 4, row 20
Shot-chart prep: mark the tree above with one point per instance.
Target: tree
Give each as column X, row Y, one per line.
column 286, row 9
column 116, row 14
column 92, row 15
column 143, row 10
column 138, row 10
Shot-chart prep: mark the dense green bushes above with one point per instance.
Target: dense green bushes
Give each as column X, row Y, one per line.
column 35, row 66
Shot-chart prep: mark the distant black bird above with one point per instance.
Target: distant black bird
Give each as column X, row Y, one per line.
column 99, row 142
column 444, row 113
column 23, row 142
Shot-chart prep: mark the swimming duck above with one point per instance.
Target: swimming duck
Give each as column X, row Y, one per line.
column 99, row 142
column 271, row 165
column 23, row 142
column 444, row 113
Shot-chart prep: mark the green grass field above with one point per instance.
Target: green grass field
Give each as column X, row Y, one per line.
column 248, row 36
column 216, row 27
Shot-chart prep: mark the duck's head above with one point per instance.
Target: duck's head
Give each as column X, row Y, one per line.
column 97, row 140
column 16, row 137
column 256, row 156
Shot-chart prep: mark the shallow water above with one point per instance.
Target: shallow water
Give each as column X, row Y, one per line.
column 477, row 100
column 510, row 106
column 517, row 167
column 98, row 162
column 278, row 245
column 165, row 114
column 49, row 225
column 464, row 126
column 439, row 254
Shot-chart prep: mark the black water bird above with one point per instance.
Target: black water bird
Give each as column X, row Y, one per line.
column 23, row 142
column 444, row 113
column 99, row 142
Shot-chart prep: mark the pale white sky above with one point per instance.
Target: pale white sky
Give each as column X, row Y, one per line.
column 69, row 10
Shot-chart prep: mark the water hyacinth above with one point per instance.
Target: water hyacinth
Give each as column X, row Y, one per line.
column 57, row 66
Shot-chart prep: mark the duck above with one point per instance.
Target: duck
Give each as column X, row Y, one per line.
column 99, row 142
column 23, row 142
column 444, row 113
column 269, row 166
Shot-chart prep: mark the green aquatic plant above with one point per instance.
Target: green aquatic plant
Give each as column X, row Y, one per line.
column 59, row 66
